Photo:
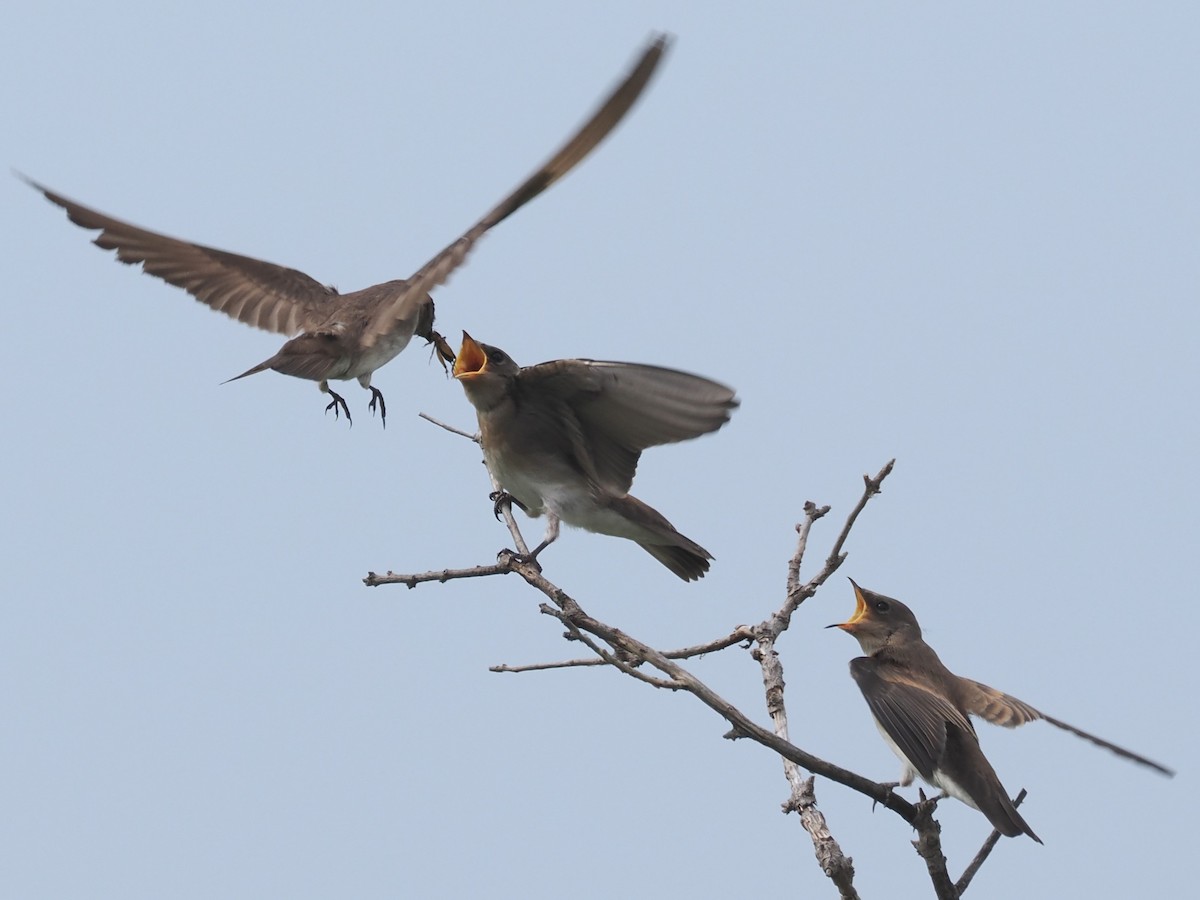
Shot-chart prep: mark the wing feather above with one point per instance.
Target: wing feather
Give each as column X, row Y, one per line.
column 590, row 134
column 915, row 718
column 623, row 408
column 258, row 293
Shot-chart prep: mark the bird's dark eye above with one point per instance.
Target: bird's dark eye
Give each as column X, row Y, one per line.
column 499, row 356
column 882, row 605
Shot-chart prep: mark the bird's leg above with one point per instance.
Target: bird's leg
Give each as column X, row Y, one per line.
column 551, row 534
column 550, row 538
column 502, row 498
column 337, row 402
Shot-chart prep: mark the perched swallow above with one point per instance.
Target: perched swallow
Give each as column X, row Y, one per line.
column 564, row 437
column 922, row 710
column 342, row 336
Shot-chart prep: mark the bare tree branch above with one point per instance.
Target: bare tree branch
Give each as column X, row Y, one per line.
column 743, row 633
column 612, row 659
column 613, row 647
column 836, row 865
column 929, row 847
column 591, row 661
column 797, row 594
column 964, row 882
column 440, row 575
column 450, row 428
column 812, row 512
column 742, row 724
column 740, row 634
column 502, row 508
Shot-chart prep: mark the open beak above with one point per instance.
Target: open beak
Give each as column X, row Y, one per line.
column 471, row 359
column 860, row 610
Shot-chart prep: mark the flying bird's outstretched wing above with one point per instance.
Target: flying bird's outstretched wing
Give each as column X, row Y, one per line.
column 262, row 294
column 586, row 139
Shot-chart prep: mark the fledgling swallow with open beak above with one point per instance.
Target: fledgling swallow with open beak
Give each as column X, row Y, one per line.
column 563, row 438
column 923, row 711
column 341, row 336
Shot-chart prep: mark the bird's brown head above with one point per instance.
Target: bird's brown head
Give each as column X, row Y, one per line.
column 485, row 372
column 879, row 620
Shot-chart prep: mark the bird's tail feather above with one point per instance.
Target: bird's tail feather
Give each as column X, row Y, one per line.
column 685, row 562
column 1107, row 745
column 261, row 367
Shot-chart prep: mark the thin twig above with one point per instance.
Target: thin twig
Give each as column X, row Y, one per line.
column 797, row 593
column 509, row 519
column 606, row 657
column 812, row 512
column 990, row 844
column 542, row 667
column 450, row 428
column 740, row 634
column 871, row 487
column 441, row 575
column 505, row 509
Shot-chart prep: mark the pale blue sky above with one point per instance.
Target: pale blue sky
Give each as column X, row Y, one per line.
column 962, row 235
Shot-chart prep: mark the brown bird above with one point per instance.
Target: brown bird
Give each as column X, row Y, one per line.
column 342, row 336
column 564, row 438
column 922, row 709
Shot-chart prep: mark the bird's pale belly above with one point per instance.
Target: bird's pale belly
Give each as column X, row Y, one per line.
column 568, row 497
column 379, row 354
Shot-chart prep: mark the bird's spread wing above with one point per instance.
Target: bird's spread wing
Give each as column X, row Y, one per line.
column 1003, row 709
column 258, row 293
column 914, row 717
column 593, row 131
column 996, row 706
column 623, row 408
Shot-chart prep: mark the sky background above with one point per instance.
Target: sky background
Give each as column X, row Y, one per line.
column 962, row 235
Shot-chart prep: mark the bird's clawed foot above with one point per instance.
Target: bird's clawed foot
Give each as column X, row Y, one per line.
column 501, row 499
column 891, row 787
column 516, row 557
column 338, row 403
column 376, row 397
column 929, row 803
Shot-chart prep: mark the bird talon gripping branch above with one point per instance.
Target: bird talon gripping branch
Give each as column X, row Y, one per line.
column 501, row 499
column 890, row 786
